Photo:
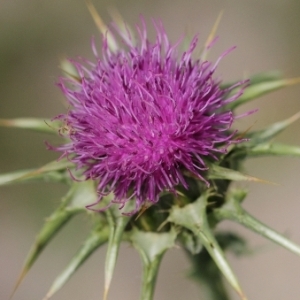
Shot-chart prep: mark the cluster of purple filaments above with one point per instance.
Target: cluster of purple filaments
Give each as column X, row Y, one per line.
column 139, row 118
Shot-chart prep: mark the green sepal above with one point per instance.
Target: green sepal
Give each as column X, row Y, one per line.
column 255, row 91
column 40, row 125
column 117, row 224
column 218, row 172
column 151, row 246
column 190, row 242
column 232, row 210
column 193, row 217
column 274, row 149
column 97, row 237
column 69, row 69
column 52, row 172
column 73, row 203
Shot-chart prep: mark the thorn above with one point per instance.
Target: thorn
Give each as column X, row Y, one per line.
column 96, row 17
column 295, row 117
column 17, row 284
column 211, row 36
column 213, row 31
column 255, row 179
column 242, row 134
column 105, row 293
column 162, row 225
column 6, row 122
column 293, row 81
column 47, row 297
column 142, row 210
column 115, row 15
column 112, row 43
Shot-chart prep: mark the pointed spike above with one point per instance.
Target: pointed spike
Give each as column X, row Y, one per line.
column 211, row 36
column 206, row 273
column 12, row 177
column 126, row 32
column 39, row 125
column 257, row 90
column 271, row 131
column 112, row 254
column 251, row 223
column 233, row 210
column 102, row 26
column 31, row 175
column 217, row 172
column 218, row 256
column 193, row 217
column 115, row 15
column 96, row 17
column 52, row 226
column 18, row 282
column 46, row 169
column 117, row 223
column 265, row 77
column 97, row 237
column 257, row 78
column 46, row 172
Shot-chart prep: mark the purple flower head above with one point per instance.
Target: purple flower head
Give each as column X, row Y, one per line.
column 142, row 116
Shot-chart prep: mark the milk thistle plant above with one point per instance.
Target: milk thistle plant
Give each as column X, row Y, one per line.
column 149, row 154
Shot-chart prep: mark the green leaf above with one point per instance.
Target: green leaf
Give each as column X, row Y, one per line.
column 151, row 246
column 193, row 217
column 257, row 90
column 40, row 125
column 51, row 172
column 98, row 236
column 233, row 210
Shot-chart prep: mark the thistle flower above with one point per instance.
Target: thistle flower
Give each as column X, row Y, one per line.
column 142, row 116
column 144, row 119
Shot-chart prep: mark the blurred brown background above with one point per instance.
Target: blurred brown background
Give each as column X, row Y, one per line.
column 34, row 35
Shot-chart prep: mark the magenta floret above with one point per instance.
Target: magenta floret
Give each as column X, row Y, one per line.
column 141, row 117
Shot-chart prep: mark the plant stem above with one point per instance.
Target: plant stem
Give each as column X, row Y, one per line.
column 149, row 278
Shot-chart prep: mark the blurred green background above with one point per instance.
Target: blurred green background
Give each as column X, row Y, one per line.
column 35, row 35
